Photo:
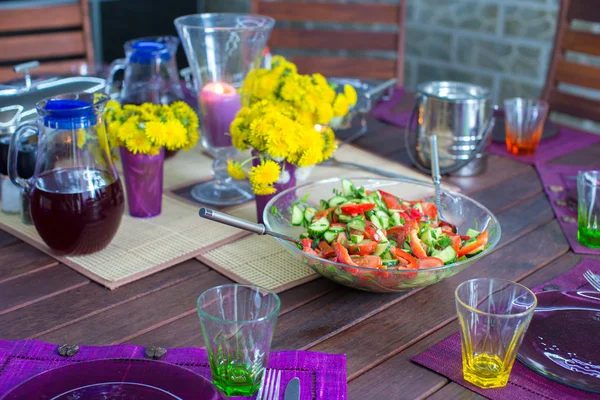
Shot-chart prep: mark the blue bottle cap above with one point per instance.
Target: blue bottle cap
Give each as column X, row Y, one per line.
column 69, row 114
column 145, row 51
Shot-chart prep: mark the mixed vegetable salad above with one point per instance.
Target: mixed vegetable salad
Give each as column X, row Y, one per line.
column 376, row 229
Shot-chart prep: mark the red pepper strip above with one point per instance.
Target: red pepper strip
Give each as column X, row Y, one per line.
column 481, row 240
column 326, row 250
column 416, row 246
column 400, row 254
column 430, row 262
column 357, row 208
column 430, row 210
column 390, row 200
column 363, row 248
column 456, row 242
column 416, row 214
column 324, row 213
column 371, row 233
column 342, row 254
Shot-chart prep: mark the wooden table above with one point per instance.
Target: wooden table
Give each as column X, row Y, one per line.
column 379, row 333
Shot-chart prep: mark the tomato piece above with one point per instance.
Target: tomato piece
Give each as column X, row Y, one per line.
column 416, row 214
column 416, row 245
column 363, row 248
column 357, row 208
column 307, row 246
column 408, row 260
column 430, row 210
column 338, row 224
column 342, row 254
column 452, row 227
column 371, row 233
column 368, row 261
column 430, row 262
column 326, row 250
column 341, row 238
column 390, row 200
column 481, row 240
column 456, row 242
column 395, row 229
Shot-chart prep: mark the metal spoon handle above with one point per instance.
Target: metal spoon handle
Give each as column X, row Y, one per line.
column 239, row 223
column 435, row 170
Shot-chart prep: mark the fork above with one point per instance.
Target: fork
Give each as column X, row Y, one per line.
column 593, row 279
column 269, row 390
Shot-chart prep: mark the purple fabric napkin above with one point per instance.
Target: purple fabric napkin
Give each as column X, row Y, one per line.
column 523, row 384
column 389, row 112
column 322, row 376
column 560, row 184
column 566, row 141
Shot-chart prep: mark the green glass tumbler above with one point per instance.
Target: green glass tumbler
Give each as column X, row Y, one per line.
column 238, row 322
column 588, row 214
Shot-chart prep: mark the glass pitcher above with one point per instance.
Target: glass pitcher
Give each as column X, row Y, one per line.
column 151, row 74
column 76, row 197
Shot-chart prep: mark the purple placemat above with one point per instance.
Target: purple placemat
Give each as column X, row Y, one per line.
column 567, row 141
column 560, row 184
column 322, row 376
column 392, row 111
column 523, row 384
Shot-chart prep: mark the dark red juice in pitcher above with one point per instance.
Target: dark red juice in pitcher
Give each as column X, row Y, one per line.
column 76, row 210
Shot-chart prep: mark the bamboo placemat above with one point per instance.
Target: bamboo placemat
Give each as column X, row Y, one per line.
column 261, row 260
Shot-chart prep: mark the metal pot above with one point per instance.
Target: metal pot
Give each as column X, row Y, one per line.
column 461, row 116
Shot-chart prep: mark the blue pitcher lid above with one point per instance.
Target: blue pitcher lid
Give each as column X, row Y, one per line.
column 148, row 50
column 69, row 114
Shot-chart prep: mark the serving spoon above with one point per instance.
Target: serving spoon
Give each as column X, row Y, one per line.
column 259, row 229
column 437, row 178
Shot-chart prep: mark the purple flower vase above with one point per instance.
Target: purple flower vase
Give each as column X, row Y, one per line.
column 261, row 201
column 143, row 182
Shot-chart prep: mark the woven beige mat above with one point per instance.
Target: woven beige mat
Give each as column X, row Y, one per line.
column 261, row 260
column 141, row 246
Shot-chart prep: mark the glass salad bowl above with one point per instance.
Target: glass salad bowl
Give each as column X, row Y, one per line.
column 457, row 209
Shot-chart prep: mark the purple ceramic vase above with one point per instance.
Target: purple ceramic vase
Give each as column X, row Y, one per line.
column 143, row 182
column 261, row 201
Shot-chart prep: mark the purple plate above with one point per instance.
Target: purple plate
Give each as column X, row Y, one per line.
column 562, row 342
column 116, row 379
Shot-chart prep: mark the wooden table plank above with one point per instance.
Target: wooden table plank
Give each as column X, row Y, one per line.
column 34, row 287
column 436, row 303
column 416, row 381
column 21, row 259
column 67, row 308
column 6, row 239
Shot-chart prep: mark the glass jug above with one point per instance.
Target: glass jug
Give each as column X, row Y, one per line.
column 76, row 197
column 151, row 74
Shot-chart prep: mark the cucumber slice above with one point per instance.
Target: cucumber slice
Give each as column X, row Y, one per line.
column 385, row 221
column 382, row 248
column 419, row 207
column 319, row 226
column 476, row 251
column 406, row 247
column 375, row 194
column 373, row 218
column 330, row 236
column 448, row 255
column 336, row 201
column 358, row 224
column 297, row 215
column 387, row 255
column 356, row 238
column 396, row 220
column 472, row 233
column 309, row 214
column 389, row 263
column 304, row 235
column 429, row 237
column 344, row 218
column 337, row 229
column 381, row 236
column 324, row 205
column 348, row 188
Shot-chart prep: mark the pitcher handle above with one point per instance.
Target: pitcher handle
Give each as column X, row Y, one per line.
column 115, row 67
column 24, row 130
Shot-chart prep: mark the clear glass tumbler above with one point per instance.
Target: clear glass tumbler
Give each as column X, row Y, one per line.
column 221, row 50
column 588, row 215
column 524, row 121
column 494, row 315
column 237, row 324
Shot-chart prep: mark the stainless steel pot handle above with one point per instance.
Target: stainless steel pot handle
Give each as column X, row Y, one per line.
column 489, row 127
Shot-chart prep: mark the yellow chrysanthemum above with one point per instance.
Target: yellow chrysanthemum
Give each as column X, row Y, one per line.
column 263, row 190
column 350, row 94
column 138, row 142
column 340, row 105
column 157, row 132
column 235, row 170
column 266, row 173
column 128, row 130
column 176, row 135
column 154, row 150
column 324, row 113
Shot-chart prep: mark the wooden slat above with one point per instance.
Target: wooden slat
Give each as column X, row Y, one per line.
column 581, row 42
column 84, row 302
column 329, row 12
column 578, row 74
column 39, row 46
column 574, row 105
column 21, row 259
column 74, row 67
column 38, row 18
column 332, row 40
column 584, row 9
column 353, row 67
column 6, row 239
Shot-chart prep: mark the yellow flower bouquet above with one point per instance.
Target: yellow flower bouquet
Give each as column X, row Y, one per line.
column 285, row 123
column 142, row 133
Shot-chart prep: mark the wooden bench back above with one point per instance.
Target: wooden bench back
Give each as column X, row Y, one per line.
column 58, row 36
column 350, row 40
column 569, row 72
